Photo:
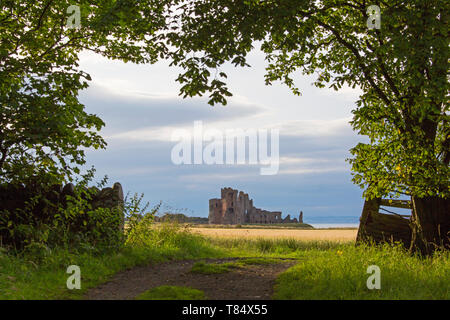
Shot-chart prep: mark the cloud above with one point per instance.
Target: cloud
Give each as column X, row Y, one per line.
column 133, row 111
column 318, row 128
column 141, row 108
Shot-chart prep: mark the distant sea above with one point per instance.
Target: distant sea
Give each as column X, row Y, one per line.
column 332, row 221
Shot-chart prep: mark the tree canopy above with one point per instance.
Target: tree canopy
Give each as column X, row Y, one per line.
column 401, row 67
column 43, row 126
column 400, row 63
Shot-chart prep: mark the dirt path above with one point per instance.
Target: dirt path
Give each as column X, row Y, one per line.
column 253, row 282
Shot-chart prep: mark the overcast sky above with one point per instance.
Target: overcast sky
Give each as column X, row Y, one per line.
column 141, row 108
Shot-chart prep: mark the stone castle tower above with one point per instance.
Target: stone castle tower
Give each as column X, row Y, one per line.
column 236, row 207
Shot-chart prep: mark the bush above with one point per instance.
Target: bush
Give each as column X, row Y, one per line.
column 26, row 214
column 41, row 218
column 139, row 221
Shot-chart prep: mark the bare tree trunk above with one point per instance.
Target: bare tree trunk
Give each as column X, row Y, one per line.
column 430, row 224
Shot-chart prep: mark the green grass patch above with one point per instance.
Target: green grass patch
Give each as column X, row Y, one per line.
column 202, row 267
column 342, row 274
column 259, row 261
column 172, row 293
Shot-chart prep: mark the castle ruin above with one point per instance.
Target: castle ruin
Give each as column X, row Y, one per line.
column 236, row 207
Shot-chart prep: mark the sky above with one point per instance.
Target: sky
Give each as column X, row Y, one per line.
column 141, row 108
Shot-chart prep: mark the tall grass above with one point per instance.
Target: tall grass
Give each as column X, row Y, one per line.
column 174, row 240
column 342, row 274
column 43, row 275
column 325, row 269
column 332, row 270
column 284, row 247
column 39, row 271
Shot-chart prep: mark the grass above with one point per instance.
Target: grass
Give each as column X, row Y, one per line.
column 342, row 274
column 202, row 267
column 332, row 270
column 325, row 269
column 43, row 275
column 259, row 261
column 270, row 247
column 172, row 293
column 212, row 268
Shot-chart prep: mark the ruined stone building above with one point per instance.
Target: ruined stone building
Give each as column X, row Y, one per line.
column 236, row 207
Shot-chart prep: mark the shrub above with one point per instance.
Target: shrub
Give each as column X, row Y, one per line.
column 42, row 218
column 139, row 221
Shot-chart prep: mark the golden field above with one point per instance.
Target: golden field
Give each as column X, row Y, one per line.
column 341, row 235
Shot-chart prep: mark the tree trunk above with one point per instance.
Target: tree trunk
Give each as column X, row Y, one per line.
column 430, row 224
column 4, row 153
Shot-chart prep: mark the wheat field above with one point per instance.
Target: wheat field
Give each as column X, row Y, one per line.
column 344, row 235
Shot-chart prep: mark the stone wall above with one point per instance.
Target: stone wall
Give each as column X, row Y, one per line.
column 111, row 198
column 236, row 207
column 13, row 198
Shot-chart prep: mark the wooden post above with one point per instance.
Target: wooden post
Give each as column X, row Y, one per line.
column 404, row 204
column 370, row 206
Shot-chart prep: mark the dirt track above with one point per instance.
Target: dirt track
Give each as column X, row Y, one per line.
column 253, row 282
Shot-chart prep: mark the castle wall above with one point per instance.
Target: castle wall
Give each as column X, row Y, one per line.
column 215, row 211
column 237, row 208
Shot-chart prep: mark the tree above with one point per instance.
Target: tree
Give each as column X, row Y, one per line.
column 43, row 126
column 402, row 68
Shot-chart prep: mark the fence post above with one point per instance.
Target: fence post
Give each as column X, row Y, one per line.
column 372, row 205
